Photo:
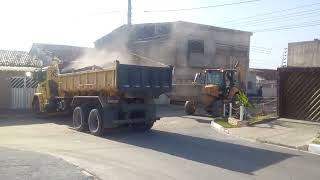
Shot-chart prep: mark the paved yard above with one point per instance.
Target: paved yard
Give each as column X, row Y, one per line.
column 285, row 132
column 178, row 147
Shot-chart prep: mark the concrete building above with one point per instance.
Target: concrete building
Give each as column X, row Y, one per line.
column 189, row 47
column 16, row 89
column 304, row 54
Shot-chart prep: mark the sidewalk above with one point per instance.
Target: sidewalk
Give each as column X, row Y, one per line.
column 284, row 132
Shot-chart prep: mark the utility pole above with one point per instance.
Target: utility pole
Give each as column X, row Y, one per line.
column 129, row 13
column 285, row 58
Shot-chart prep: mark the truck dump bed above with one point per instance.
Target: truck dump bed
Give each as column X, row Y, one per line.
column 132, row 80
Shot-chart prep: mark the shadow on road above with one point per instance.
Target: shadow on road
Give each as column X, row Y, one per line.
column 20, row 118
column 225, row 155
column 228, row 156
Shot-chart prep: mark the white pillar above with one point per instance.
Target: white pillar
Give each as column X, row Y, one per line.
column 230, row 109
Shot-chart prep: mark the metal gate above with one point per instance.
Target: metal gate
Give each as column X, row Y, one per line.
column 22, row 90
column 299, row 93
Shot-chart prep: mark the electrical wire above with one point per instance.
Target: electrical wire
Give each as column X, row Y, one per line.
column 272, row 19
column 203, row 7
column 272, row 12
column 288, row 27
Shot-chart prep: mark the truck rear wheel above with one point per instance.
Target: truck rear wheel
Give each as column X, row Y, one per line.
column 95, row 123
column 189, row 107
column 80, row 116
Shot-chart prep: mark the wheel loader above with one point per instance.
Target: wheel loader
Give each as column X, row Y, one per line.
column 215, row 87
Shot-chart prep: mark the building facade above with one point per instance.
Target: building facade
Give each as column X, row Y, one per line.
column 189, row 47
column 304, row 54
column 16, row 88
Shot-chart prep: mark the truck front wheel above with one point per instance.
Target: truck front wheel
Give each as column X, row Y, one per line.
column 80, row 116
column 189, row 107
column 95, row 123
column 36, row 105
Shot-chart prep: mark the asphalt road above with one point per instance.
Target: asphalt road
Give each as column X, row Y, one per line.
column 18, row 164
column 178, row 147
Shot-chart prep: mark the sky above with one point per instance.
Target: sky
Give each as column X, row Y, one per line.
column 81, row 22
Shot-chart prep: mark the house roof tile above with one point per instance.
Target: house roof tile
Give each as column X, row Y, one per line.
column 17, row 59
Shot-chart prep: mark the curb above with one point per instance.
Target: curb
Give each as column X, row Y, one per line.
column 263, row 121
column 218, row 127
column 311, row 148
column 300, row 148
column 314, row 148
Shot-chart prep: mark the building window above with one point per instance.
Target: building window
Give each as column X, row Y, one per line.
column 162, row 29
column 196, row 46
column 145, row 31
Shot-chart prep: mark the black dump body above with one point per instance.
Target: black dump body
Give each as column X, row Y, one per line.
column 143, row 81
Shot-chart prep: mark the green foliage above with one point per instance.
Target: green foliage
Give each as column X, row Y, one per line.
column 243, row 99
column 224, row 123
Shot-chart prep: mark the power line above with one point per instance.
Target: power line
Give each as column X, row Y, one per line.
column 261, row 48
column 203, row 7
column 284, row 20
column 272, row 12
column 107, row 12
column 272, row 19
column 293, row 26
column 262, row 52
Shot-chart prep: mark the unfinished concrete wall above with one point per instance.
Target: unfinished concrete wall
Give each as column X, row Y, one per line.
column 189, row 47
column 156, row 50
column 304, row 54
column 222, row 48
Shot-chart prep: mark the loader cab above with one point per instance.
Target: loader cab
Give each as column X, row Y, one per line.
column 220, row 77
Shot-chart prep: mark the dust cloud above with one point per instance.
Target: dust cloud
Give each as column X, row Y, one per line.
column 102, row 58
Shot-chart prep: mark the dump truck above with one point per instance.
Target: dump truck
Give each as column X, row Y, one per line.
column 101, row 99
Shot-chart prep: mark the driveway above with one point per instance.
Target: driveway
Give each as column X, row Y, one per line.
column 178, row 147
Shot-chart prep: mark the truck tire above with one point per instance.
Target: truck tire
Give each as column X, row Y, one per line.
column 95, row 123
column 142, row 126
column 36, row 106
column 80, row 117
column 189, row 108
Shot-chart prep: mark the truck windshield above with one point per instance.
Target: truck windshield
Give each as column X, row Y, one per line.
column 215, row 77
column 40, row 75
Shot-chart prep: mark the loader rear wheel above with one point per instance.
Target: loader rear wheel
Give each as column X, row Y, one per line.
column 189, row 107
column 95, row 123
column 80, row 116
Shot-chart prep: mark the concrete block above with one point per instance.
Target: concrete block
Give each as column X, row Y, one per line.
column 314, row 148
column 236, row 122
